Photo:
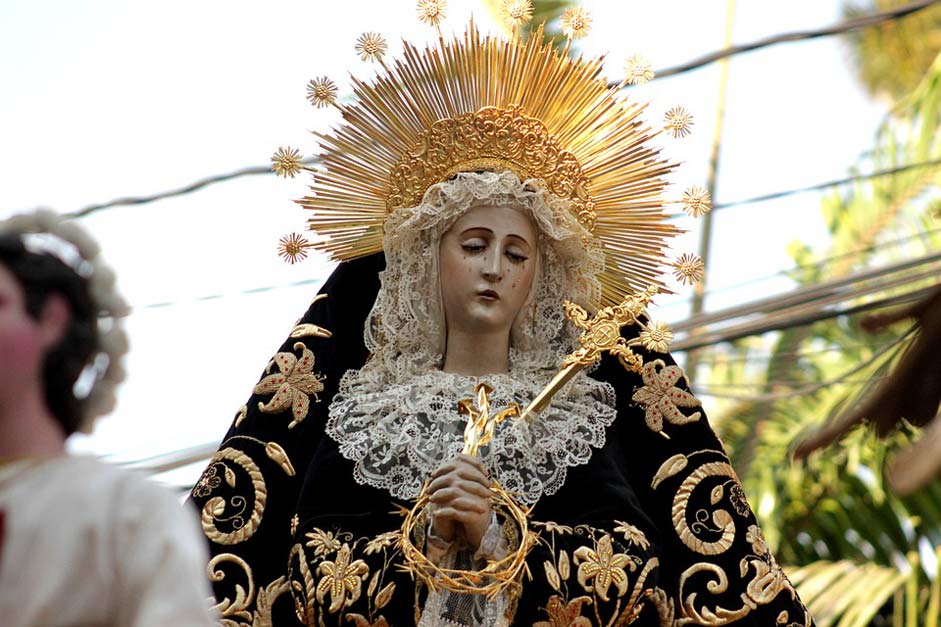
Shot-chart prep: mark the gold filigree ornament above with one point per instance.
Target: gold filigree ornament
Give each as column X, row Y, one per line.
column 473, row 102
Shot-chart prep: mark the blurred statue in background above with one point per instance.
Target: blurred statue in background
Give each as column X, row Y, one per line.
column 81, row 542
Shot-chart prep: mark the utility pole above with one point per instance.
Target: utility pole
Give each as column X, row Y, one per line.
column 705, row 235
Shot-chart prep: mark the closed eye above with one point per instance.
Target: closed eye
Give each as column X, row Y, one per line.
column 516, row 257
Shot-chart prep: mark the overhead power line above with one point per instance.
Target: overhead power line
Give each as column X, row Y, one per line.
column 802, row 35
column 842, row 27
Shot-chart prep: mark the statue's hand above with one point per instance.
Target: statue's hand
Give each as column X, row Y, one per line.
column 460, row 495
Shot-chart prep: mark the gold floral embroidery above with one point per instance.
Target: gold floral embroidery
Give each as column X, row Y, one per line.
column 669, row 468
column 359, row 620
column 208, row 482
column 632, row 534
column 323, row 542
column 552, row 527
column 604, row 566
column 342, row 579
column 292, row 386
column 552, row 575
column 381, row 541
column 385, row 595
column 662, row 399
column 562, row 614
column 564, row 566
column 720, row 521
column 215, row 507
column 757, row 540
column 738, row 500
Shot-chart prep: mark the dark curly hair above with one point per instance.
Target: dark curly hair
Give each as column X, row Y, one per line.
column 41, row 275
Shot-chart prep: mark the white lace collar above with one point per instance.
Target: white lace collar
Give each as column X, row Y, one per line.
column 397, row 435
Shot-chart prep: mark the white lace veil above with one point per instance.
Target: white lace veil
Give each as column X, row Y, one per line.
column 396, row 417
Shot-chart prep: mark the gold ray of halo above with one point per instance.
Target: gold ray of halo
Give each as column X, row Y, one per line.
column 402, row 120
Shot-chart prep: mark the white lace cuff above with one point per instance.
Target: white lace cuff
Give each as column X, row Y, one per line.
column 493, row 545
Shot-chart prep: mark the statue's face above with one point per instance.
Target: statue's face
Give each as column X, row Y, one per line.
column 487, row 262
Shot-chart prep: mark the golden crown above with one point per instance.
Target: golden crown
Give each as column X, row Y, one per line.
column 481, row 102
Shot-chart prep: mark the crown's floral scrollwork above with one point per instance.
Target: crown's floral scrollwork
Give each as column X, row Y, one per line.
column 491, row 139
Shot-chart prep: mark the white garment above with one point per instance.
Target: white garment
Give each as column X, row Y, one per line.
column 86, row 544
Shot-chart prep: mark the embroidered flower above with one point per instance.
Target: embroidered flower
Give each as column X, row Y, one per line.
column 323, row 542
column 359, row 620
column 757, row 540
column 208, row 482
column 661, row 398
column 738, row 500
column 562, row 614
column 342, row 579
column 632, row 534
column 604, row 566
column 381, row 541
column 292, row 386
column 553, row 527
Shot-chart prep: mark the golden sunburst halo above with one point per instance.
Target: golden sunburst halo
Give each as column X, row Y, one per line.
column 689, row 269
column 696, row 201
column 371, row 46
column 576, row 22
column 656, row 337
column 638, row 70
column 431, row 12
column 678, row 120
column 321, row 91
column 517, row 13
column 293, row 248
column 286, row 162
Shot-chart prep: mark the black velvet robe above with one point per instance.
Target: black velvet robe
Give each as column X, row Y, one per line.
column 653, row 530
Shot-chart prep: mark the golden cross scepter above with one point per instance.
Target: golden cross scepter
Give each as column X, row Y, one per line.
column 600, row 334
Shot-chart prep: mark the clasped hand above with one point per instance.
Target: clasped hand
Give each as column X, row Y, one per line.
column 460, row 495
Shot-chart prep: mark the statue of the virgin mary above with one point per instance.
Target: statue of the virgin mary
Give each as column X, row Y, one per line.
column 476, row 191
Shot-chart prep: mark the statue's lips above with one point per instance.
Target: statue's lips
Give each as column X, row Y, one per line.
column 488, row 295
